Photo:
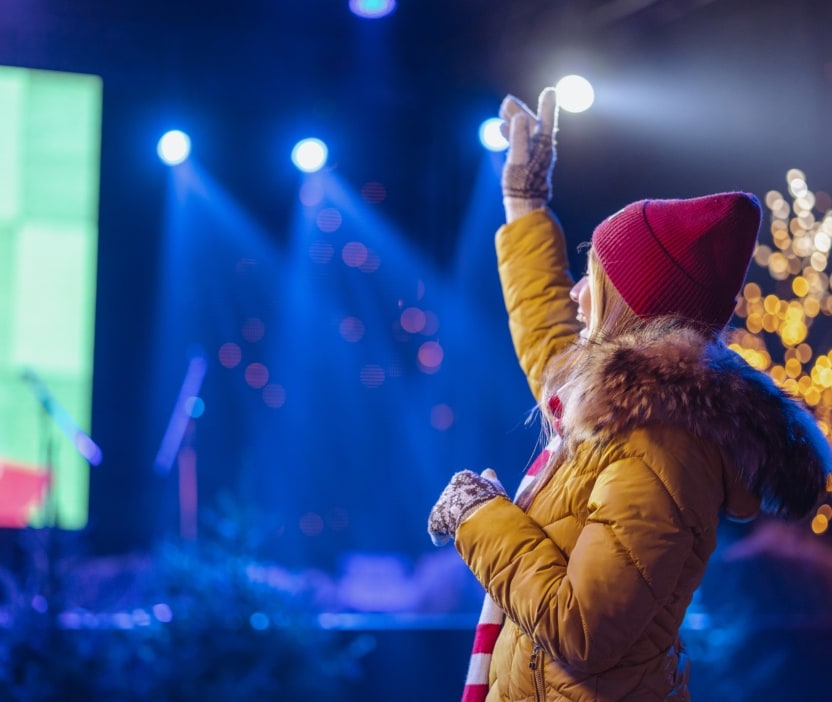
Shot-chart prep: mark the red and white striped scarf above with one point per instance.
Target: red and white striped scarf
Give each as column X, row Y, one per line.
column 491, row 616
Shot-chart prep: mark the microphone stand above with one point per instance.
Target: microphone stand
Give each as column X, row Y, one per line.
column 55, row 414
column 177, row 446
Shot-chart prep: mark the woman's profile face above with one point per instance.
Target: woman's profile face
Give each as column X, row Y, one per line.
column 580, row 294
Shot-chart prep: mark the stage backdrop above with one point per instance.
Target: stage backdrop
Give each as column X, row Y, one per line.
column 50, row 135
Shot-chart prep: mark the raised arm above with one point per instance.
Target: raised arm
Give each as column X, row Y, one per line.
column 531, row 249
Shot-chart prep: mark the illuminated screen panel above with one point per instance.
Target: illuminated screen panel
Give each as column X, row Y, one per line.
column 50, row 136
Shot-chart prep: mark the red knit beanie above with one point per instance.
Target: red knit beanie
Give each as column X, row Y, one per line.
column 681, row 257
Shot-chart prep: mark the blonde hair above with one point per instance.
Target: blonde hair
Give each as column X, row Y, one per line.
column 609, row 318
column 609, row 315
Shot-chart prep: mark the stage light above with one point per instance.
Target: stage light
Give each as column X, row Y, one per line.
column 174, row 147
column 309, row 155
column 575, row 93
column 490, row 135
column 372, row 9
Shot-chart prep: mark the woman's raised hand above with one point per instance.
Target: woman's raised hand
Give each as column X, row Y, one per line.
column 527, row 174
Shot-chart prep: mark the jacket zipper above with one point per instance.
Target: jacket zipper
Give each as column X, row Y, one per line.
column 536, row 666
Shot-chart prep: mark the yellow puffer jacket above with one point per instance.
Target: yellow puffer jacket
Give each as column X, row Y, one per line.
column 661, row 431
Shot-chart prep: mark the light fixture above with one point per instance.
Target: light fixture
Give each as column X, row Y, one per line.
column 309, row 155
column 372, row 9
column 174, row 147
column 490, row 135
column 575, row 93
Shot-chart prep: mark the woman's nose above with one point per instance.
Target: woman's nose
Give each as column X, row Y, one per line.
column 575, row 292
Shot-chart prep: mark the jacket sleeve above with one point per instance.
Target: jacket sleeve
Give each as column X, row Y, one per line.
column 534, row 273
column 588, row 607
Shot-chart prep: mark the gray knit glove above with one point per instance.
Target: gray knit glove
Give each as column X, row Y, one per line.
column 458, row 500
column 527, row 174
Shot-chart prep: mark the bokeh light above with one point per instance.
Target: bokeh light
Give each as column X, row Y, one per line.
column 778, row 321
column 259, row 621
column 354, row 254
column 253, row 330
column 431, row 323
column 373, row 192
column 274, row 395
column 372, row 376
column 311, row 524
column 338, row 519
column 412, row 320
column 257, row 375
column 351, row 329
column 329, row 220
column 820, row 524
column 162, row 612
column 321, row 251
column 441, row 417
column 311, row 193
column 430, row 357
column 371, row 263
column 230, row 355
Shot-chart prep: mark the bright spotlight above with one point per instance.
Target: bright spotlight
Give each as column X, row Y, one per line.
column 372, row 9
column 309, row 155
column 490, row 135
column 575, row 94
column 174, row 147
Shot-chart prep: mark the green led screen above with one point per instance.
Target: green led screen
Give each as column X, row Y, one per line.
column 50, row 135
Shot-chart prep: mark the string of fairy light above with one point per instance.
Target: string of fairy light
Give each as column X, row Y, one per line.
column 778, row 336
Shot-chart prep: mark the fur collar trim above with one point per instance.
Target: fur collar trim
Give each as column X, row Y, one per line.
column 672, row 374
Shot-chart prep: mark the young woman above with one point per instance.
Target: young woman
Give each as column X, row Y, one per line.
column 657, row 429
